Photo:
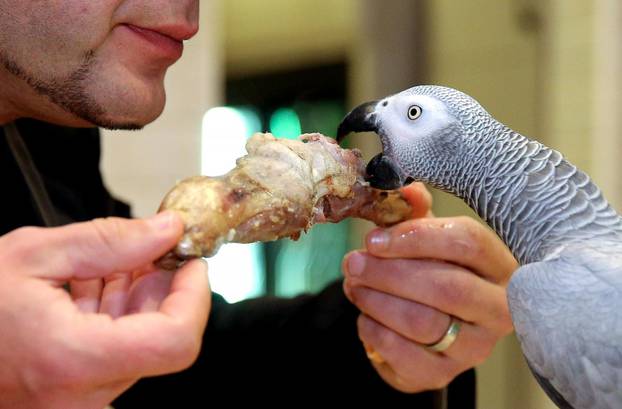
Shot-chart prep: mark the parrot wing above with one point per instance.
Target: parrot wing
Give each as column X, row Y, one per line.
column 574, row 348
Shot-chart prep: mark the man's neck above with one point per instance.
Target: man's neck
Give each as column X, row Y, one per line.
column 28, row 105
column 8, row 112
column 19, row 100
column 8, row 109
column 6, row 115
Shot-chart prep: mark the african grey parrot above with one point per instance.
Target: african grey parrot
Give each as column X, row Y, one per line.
column 566, row 298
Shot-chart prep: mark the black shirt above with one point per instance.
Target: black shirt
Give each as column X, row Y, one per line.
column 274, row 351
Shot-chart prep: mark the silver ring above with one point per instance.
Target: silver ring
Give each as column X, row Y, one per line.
column 448, row 339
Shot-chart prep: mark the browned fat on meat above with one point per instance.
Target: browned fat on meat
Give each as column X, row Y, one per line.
column 279, row 189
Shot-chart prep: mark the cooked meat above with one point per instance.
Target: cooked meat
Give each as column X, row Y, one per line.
column 281, row 188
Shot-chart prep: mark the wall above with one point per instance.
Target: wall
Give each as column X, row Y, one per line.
column 606, row 110
column 568, row 78
column 282, row 34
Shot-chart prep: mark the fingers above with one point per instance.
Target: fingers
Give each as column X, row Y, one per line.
column 92, row 249
column 404, row 364
column 424, row 325
column 188, row 306
column 419, row 198
column 148, row 291
column 115, row 294
column 167, row 340
column 411, row 280
column 445, row 287
column 190, row 296
column 460, row 240
column 86, row 294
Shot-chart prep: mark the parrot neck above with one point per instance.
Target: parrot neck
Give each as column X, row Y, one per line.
column 533, row 198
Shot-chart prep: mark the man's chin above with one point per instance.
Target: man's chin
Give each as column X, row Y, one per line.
column 122, row 126
column 113, row 125
column 131, row 115
column 89, row 112
column 127, row 120
column 123, row 105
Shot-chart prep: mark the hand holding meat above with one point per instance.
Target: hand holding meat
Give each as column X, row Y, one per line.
column 121, row 320
column 281, row 188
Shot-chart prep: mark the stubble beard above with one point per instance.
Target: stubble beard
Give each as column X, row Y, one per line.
column 70, row 92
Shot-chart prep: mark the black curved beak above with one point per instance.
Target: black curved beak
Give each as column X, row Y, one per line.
column 382, row 173
column 360, row 119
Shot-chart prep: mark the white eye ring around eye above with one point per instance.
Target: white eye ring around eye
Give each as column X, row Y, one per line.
column 414, row 112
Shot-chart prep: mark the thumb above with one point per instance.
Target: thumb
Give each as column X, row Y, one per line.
column 99, row 247
column 419, row 198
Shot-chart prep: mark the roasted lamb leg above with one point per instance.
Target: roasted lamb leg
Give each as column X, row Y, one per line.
column 281, row 188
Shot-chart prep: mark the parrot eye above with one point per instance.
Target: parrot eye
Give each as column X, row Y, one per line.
column 414, row 112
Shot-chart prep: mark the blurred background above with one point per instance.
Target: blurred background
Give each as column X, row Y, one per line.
column 550, row 69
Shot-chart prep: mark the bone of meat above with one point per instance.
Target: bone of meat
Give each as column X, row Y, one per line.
column 279, row 189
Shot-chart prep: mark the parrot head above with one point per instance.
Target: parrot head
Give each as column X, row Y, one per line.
column 427, row 134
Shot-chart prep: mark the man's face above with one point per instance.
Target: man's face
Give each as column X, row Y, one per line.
column 81, row 62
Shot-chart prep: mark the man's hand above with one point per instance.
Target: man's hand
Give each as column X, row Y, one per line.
column 123, row 319
column 409, row 283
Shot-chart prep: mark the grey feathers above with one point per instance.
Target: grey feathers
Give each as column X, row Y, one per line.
column 566, row 299
column 569, row 325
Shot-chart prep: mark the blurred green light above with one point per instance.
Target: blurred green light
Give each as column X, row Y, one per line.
column 284, row 123
column 251, row 119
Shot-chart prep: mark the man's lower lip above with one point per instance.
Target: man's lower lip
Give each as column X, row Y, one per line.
column 165, row 45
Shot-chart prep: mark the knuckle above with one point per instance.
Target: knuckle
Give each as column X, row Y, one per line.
column 471, row 240
column 455, row 291
column 481, row 352
column 387, row 340
column 380, row 337
column 507, row 327
column 504, row 324
column 476, row 349
column 107, row 232
column 423, row 324
column 107, row 229
column 500, row 318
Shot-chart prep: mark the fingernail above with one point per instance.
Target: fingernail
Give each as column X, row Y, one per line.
column 378, row 240
column 161, row 221
column 205, row 264
column 356, row 264
column 206, row 269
